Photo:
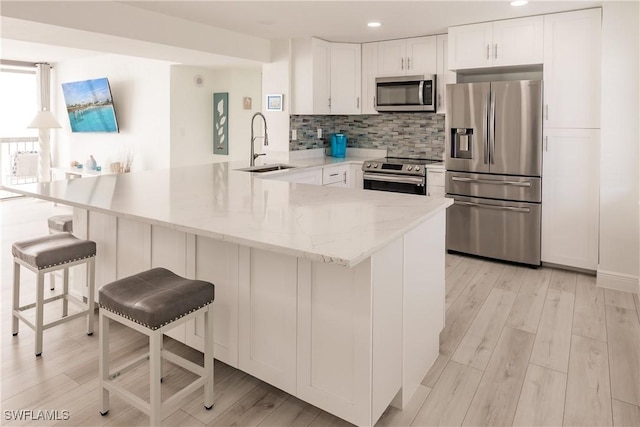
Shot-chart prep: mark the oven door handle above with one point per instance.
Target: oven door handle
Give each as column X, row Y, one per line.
column 497, row 208
column 492, row 182
column 401, row 179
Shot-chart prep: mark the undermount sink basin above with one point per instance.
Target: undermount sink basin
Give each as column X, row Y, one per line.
column 266, row 168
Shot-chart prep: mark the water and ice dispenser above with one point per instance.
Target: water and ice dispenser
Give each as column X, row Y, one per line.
column 462, row 143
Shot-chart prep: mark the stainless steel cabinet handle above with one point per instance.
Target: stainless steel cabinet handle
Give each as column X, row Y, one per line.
column 344, row 177
column 329, row 102
column 488, row 56
column 408, row 63
column 333, row 174
column 497, row 208
column 358, row 102
column 402, row 63
column 495, row 51
column 374, row 102
column 439, row 100
column 492, row 182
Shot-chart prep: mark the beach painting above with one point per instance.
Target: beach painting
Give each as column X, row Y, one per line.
column 90, row 106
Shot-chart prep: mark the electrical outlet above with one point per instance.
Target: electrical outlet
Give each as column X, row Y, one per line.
column 294, row 134
column 319, row 133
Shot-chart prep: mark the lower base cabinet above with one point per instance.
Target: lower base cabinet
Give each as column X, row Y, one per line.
column 570, row 197
column 350, row 341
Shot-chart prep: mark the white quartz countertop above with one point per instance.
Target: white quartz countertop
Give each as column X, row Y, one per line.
column 337, row 225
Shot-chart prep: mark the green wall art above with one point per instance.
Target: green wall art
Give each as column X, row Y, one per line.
column 221, row 123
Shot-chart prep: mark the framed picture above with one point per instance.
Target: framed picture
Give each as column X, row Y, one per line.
column 221, row 122
column 274, row 102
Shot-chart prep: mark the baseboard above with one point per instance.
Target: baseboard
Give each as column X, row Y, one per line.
column 618, row 281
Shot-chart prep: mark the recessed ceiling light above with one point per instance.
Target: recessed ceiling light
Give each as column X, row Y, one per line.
column 374, row 24
column 519, row 2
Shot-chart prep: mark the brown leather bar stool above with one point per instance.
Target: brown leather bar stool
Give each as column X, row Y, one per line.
column 45, row 255
column 153, row 302
column 59, row 224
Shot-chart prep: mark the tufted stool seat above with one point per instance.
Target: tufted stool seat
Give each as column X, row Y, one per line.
column 60, row 224
column 47, row 254
column 153, row 302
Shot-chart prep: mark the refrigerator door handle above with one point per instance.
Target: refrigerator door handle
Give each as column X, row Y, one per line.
column 497, row 208
column 492, row 129
column 487, row 131
column 492, row 182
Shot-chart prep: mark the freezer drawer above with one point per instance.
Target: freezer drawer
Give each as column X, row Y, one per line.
column 502, row 187
column 508, row 231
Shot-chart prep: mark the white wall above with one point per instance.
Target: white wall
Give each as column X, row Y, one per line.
column 620, row 136
column 276, row 79
column 192, row 113
column 141, row 100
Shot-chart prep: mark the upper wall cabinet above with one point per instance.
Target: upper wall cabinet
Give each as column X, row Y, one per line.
column 369, row 74
column 407, row 57
column 572, row 69
column 326, row 77
column 444, row 76
column 496, row 44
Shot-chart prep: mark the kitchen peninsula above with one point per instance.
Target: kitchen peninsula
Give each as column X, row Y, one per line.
column 333, row 295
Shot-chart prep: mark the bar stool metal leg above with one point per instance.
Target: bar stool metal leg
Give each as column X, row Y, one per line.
column 65, row 292
column 104, row 362
column 208, row 357
column 39, row 312
column 15, row 322
column 91, row 301
column 155, row 361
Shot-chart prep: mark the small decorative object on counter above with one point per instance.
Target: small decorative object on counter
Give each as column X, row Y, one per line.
column 98, row 168
column 115, row 167
column 91, row 163
column 74, row 164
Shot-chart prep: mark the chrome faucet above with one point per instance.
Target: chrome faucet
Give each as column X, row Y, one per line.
column 254, row 155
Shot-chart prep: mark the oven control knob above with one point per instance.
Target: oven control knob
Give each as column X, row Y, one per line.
column 417, row 168
column 375, row 165
column 409, row 168
column 368, row 165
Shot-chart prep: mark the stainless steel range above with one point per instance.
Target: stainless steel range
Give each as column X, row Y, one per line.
column 397, row 174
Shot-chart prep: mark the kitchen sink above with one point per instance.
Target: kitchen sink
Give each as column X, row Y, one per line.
column 266, row 168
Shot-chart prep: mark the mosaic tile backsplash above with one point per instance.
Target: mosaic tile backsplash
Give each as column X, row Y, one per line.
column 401, row 134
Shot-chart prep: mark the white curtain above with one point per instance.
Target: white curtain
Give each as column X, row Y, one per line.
column 43, row 78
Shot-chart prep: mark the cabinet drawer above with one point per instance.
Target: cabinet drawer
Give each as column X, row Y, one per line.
column 435, row 178
column 335, row 174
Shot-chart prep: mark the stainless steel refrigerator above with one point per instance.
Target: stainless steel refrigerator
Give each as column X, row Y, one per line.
column 493, row 158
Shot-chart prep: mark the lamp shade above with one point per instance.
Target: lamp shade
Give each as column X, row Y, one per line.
column 44, row 120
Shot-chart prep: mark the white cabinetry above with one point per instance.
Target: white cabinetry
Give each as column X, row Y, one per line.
column 570, row 210
column 407, row 57
column 267, row 317
column 435, row 181
column 496, row 44
column 357, row 176
column 313, row 176
column 345, row 78
column 336, row 176
column 444, row 76
column 572, row 69
column 326, row 77
column 369, row 74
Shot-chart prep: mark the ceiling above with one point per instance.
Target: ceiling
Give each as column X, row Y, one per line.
column 338, row 21
column 345, row 21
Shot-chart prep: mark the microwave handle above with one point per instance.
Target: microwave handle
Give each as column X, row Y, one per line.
column 421, row 93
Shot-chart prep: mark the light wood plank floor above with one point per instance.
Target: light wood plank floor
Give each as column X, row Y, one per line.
column 521, row 347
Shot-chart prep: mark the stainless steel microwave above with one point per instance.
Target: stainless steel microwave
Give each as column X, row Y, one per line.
column 406, row 93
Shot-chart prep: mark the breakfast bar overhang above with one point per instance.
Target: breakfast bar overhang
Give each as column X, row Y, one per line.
column 333, row 295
